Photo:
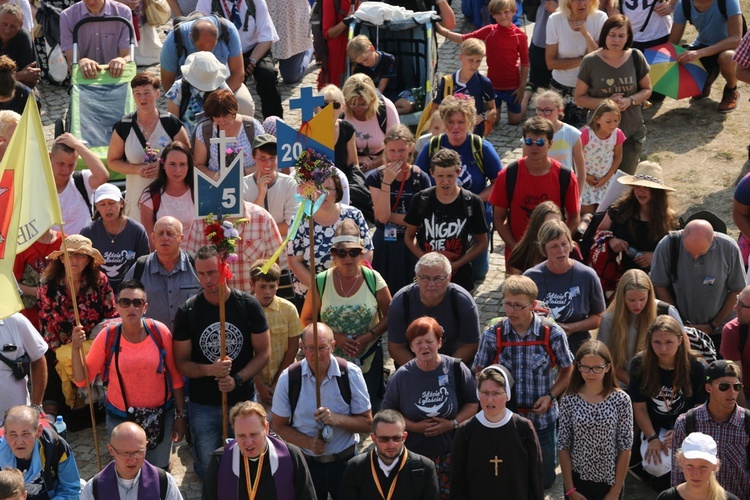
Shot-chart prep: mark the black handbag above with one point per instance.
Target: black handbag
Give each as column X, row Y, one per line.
column 21, row 366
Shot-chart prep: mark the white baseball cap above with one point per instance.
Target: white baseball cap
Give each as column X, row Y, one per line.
column 699, row 445
column 107, row 192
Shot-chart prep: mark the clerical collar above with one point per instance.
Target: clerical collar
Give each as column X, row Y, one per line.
column 494, row 425
column 388, row 468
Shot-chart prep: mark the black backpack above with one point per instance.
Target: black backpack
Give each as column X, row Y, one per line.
column 530, row 7
column 511, row 176
column 48, row 17
column 179, row 43
column 80, row 184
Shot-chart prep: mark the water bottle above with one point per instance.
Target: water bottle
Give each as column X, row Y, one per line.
column 634, row 253
column 60, row 427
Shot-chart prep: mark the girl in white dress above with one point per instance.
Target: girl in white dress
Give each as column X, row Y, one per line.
column 602, row 152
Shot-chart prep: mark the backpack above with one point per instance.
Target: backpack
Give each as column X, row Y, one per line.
column 295, row 384
column 545, row 342
column 163, row 484
column 179, row 43
column 700, row 342
column 112, row 342
column 511, row 176
column 690, row 428
column 206, row 129
column 428, row 110
column 476, row 149
column 80, row 184
column 218, row 11
column 687, row 11
column 48, row 17
column 53, row 453
column 320, row 46
column 169, row 123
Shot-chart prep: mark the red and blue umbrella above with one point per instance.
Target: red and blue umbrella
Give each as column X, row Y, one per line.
column 671, row 78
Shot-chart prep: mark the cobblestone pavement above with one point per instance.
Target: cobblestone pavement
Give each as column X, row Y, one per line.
column 505, row 138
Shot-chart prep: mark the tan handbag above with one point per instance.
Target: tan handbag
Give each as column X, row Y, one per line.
column 157, row 11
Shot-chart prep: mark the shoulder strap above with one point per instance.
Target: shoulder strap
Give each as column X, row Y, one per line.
column 80, row 184
column 320, row 283
column 686, row 4
column 382, row 114
column 547, row 344
column 454, row 301
column 675, row 239
column 662, row 307
column 565, row 174
column 723, row 8
column 185, row 94
column 434, row 145
column 370, row 280
column 690, row 421
column 343, row 381
column 448, row 87
column 499, row 344
column 459, row 381
column 169, row 123
column 162, row 483
column 249, row 125
column 743, row 337
column 156, row 204
column 250, row 12
column 206, row 129
column 216, row 7
column 223, row 29
column 137, row 130
column 179, row 45
column 110, row 344
column 477, row 151
column 140, row 265
column 511, row 175
column 11, row 364
column 295, row 386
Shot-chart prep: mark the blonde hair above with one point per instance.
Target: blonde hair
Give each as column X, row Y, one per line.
column 714, row 491
column 332, row 93
column 360, row 86
column 565, row 6
column 360, row 45
column 400, row 133
column 473, row 47
column 8, row 117
column 633, row 279
column 245, row 409
column 520, row 285
column 466, row 107
column 549, row 95
column 497, row 6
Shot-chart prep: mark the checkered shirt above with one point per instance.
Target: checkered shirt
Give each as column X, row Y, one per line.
column 742, row 54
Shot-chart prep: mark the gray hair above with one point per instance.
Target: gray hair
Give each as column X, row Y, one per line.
column 433, row 259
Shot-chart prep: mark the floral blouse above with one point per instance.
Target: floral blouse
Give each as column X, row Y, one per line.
column 323, row 243
column 56, row 309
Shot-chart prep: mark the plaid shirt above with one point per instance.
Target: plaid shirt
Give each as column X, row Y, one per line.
column 260, row 239
column 530, row 366
column 731, row 442
column 742, row 54
column 284, row 324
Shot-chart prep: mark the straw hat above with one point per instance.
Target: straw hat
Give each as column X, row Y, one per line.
column 203, row 71
column 82, row 245
column 647, row 174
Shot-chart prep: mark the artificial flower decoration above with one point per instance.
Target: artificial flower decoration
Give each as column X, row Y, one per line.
column 311, row 171
column 223, row 235
column 152, row 155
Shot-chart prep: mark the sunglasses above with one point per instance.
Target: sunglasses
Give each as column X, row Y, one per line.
column 385, row 439
column 352, row 252
column 724, row 386
column 137, row 303
column 539, row 142
column 336, row 104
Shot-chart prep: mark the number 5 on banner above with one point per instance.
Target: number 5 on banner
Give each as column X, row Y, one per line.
column 222, row 197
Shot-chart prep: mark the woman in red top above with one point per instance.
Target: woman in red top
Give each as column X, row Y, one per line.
column 335, row 32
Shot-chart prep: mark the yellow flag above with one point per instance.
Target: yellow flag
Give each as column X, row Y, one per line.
column 28, row 200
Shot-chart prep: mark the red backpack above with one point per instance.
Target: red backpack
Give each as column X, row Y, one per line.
column 545, row 342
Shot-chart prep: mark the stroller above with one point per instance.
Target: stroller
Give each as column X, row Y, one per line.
column 97, row 104
column 413, row 43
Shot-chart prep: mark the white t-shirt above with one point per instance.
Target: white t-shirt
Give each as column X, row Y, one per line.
column 259, row 28
column 19, row 331
column 570, row 43
column 75, row 212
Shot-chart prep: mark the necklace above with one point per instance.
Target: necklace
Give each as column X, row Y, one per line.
column 147, row 129
column 112, row 238
column 341, row 283
column 141, row 336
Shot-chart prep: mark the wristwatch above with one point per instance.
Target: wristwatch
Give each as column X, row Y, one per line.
column 632, row 100
column 551, row 396
column 250, row 59
column 237, row 381
column 652, row 437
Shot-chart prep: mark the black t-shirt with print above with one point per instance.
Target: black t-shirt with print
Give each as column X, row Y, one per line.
column 448, row 227
column 244, row 317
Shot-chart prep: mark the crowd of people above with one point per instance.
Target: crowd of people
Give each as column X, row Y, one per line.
column 621, row 344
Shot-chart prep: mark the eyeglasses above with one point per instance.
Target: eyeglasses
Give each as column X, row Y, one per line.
column 336, row 104
column 130, row 454
column 724, row 386
column 546, row 112
column 322, row 349
column 539, row 142
column 430, row 279
column 516, row 307
column 385, row 439
column 125, row 303
column 352, row 252
column 595, row 369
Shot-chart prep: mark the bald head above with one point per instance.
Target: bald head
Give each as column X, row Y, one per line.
column 167, row 236
column 127, row 431
column 698, row 237
column 204, row 34
column 23, row 415
column 325, row 334
column 168, row 222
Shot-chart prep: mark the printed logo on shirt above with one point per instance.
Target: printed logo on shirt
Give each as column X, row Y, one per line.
column 444, row 235
column 560, row 305
column 435, row 403
column 210, row 342
column 115, row 262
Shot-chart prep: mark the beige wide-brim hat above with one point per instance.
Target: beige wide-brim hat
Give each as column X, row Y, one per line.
column 82, row 245
column 204, row 71
column 647, row 174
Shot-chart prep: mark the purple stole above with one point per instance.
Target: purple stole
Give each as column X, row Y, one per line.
column 283, row 477
column 148, row 486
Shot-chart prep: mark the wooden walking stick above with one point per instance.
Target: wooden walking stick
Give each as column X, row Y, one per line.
column 72, row 290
